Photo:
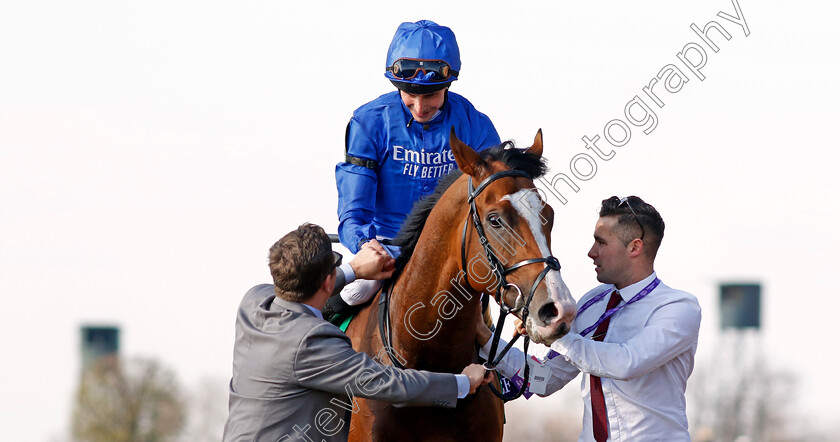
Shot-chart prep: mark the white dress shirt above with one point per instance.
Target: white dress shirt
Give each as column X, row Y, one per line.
column 644, row 361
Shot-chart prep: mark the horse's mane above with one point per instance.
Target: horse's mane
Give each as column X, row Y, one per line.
column 507, row 153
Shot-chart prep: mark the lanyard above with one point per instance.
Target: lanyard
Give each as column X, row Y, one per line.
column 645, row 291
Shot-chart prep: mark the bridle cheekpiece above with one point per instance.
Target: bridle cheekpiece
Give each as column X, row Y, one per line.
column 519, row 308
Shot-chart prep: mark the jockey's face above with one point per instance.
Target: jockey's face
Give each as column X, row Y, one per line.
column 423, row 107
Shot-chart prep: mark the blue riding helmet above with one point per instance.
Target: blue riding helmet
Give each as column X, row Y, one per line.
column 423, row 57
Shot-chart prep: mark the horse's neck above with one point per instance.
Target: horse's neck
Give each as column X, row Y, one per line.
column 434, row 313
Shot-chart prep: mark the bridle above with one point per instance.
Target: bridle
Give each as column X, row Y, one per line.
column 498, row 269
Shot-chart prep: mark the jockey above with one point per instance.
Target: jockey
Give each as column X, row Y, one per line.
column 397, row 146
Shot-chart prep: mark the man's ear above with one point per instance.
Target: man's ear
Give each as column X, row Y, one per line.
column 637, row 247
column 329, row 282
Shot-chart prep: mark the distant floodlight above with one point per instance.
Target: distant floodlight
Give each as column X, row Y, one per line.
column 740, row 306
column 98, row 342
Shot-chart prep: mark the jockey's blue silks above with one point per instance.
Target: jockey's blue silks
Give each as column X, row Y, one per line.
column 391, row 160
column 410, row 159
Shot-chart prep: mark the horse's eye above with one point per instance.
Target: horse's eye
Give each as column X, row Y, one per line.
column 494, row 220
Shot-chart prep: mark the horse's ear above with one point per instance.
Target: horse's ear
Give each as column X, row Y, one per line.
column 468, row 160
column 537, row 147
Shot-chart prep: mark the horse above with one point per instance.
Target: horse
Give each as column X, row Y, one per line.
column 432, row 309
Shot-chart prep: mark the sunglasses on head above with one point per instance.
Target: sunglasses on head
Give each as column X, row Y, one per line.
column 623, row 201
column 409, row 68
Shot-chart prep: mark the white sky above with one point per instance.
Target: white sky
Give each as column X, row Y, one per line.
column 151, row 152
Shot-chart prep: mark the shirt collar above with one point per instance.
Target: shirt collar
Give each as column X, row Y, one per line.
column 633, row 289
column 280, row 303
column 314, row 311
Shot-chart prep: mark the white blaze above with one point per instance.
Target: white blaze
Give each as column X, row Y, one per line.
column 527, row 204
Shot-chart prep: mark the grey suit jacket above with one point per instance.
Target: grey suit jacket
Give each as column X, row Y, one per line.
column 293, row 372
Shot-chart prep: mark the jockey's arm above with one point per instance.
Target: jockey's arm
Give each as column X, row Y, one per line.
column 357, row 187
column 356, row 204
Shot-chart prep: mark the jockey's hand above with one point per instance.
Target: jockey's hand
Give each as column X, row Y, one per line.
column 520, row 327
column 369, row 263
column 477, row 375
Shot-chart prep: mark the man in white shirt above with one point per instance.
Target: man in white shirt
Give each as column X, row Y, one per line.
column 634, row 338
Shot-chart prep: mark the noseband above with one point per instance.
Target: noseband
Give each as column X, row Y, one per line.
column 519, row 307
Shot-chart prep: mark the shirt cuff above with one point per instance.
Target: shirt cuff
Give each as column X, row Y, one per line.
column 485, row 350
column 563, row 344
column 360, row 243
column 349, row 274
column 463, row 385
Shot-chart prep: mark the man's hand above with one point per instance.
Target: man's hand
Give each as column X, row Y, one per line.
column 375, row 245
column 520, row 327
column 372, row 262
column 477, row 375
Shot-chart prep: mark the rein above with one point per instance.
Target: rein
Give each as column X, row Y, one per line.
column 498, row 269
column 385, row 320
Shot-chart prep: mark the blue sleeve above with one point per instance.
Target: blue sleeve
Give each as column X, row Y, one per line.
column 356, row 190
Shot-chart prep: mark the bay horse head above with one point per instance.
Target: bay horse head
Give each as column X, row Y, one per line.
column 506, row 243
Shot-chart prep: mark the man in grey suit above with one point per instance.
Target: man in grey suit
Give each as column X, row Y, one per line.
column 295, row 376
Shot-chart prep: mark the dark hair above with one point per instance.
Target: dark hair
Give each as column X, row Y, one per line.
column 628, row 228
column 300, row 261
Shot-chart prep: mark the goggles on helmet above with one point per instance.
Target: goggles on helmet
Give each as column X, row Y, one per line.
column 410, row 68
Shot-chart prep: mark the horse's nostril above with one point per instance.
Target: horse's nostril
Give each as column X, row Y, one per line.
column 547, row 312
column 562, row 329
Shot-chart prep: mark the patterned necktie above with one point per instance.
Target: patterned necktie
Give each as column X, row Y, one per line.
column 600, row 428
